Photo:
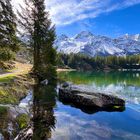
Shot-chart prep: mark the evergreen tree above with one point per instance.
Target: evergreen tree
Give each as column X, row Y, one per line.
column 83, row 62
column 8, row 38
column 35, row 21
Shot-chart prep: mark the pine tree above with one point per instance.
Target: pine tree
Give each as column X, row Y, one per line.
column 8, row 38
column 35, row 21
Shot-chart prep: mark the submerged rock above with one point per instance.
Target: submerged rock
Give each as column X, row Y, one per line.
column 65, row 84
column 88, row 99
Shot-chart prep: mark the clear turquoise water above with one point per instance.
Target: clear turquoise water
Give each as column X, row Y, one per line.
column 73, row 124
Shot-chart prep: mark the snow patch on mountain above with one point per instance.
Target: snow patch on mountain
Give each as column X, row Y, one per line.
column 96, row 45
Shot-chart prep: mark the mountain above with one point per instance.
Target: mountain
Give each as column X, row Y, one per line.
column 96, row 45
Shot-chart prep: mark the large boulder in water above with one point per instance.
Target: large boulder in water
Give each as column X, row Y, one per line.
column 89, row 99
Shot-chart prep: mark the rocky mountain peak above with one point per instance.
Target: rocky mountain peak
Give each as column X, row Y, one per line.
column 97, row 45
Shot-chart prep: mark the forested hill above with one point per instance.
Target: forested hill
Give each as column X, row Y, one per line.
column 82, row 62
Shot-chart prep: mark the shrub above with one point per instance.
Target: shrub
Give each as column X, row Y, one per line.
column 6, row 54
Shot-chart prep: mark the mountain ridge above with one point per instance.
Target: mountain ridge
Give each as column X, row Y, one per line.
column 97, row 45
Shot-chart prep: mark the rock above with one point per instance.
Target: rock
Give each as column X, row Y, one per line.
column 1, row 137
column 65, row 85
column 45, row 82
column 25, row 134
column 90, row 99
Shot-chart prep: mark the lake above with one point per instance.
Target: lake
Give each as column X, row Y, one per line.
column 74, row 124
column 53, row 120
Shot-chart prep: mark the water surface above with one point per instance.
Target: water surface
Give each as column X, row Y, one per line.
column 48, row 118
column 102, row 125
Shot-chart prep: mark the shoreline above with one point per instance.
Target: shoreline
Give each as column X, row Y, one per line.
column 65, row 70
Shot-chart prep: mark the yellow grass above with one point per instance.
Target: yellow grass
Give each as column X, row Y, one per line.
column 20, row 69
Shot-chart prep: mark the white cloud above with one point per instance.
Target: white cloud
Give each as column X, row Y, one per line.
column 65, row 12
column 70, row 126
column 16, row 3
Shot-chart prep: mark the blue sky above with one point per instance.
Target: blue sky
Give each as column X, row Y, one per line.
column 113, row 24
column 102, row 17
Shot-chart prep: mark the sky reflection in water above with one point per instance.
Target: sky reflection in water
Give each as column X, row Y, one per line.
column 55, row 121
column 73, row 124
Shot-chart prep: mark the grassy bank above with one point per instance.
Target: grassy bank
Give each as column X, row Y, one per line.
column 14, row 88
column 15, row 83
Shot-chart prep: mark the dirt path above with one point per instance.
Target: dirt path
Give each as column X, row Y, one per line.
column 20, row 68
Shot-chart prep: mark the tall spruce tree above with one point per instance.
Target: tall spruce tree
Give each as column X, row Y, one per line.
column 8, row 38
column 36, row 24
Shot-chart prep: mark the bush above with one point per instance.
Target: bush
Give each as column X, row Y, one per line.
column 6, row 54
column 49, row 73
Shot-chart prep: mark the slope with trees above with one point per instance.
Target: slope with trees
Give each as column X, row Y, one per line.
column 82, row 62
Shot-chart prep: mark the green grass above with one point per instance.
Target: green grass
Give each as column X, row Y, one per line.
column 11, row 70
column 14, row 90
column 7, row 79
column 6, row 97
column 3, row 110
column 22, row 120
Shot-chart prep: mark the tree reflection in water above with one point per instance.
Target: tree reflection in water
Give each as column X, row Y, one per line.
column 43, row 113
column 43, row 119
